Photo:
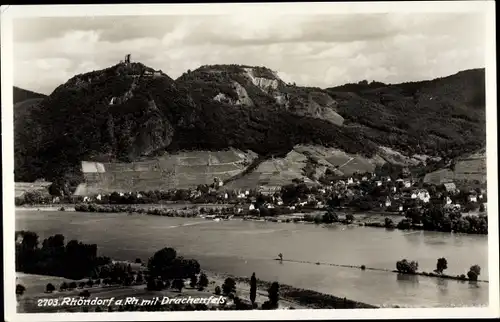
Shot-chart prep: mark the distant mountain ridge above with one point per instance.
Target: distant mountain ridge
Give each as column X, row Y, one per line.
column 130, row 112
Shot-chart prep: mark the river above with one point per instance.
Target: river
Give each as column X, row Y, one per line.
column 242, row 247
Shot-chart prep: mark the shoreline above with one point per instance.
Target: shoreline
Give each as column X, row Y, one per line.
column 426, row 274
column 363, row 219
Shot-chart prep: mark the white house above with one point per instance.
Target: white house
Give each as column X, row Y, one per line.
column 98, row 197
column 388, row 202
column 226, row 196
column 350, row 181
column 400, row 208
column 251, row 207
column 364, row 179
column 407, row 184
column 472, row 198
column 424, row 195
column 247, row 193
column 280, row 203
column 378, row 183
column 448, row 201
column 291, row 207
column 393, row 189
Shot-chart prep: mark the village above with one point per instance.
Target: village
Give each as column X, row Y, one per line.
column 366, row 193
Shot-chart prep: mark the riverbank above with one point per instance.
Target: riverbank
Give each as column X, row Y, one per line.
column 303, row 297
column 387, row 220
column 60, row 207
column 462, row 278
column 289, row 296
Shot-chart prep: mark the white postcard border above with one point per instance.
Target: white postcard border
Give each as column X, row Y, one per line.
column 8, row 13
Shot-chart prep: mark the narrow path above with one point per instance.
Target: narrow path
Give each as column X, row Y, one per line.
column 340, row 166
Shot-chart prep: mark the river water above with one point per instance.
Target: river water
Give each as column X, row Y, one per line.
column 243, row 247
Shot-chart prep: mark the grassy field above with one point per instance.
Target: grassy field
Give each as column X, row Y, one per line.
column 35, row 290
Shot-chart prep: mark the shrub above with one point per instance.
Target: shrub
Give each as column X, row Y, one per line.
column 474, row 272
column 229, row 286
column 217, row 290
column 64, row 286
column 404, row 266
column 178, row 284
column 202, row 281
column 20, row 289
column 50, row 288
column 363, row 267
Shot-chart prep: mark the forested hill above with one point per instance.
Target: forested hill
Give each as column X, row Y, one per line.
column 443, row 117
column 23, row 95
column 131, row 111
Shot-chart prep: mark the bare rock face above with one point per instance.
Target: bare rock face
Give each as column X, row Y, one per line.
column 247, row 86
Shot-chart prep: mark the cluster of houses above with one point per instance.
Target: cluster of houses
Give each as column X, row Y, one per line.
column 383, row 193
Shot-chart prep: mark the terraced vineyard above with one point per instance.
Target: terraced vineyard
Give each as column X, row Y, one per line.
column 181, row 170
column 471, row 169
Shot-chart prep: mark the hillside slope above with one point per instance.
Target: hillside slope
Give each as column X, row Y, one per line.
column 130, row 112
column 443, row 117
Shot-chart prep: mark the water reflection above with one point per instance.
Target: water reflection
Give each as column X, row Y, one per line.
column 442, row 285
column 407, row 279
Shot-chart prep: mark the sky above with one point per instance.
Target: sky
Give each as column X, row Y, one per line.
column 314, row 50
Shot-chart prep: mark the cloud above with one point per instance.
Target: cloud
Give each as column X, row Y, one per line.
column 313, row 50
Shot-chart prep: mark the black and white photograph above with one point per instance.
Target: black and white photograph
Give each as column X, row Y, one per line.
column 249, row 161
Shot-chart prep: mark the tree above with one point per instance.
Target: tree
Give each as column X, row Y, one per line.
column 178, row 284
column 151, row 285
column 404, row 266
column 273, row 294
column 139, row 279
column 482, row 208
column 64, row 286
column 349, row 218
column 161, row 263
column 20, row 289
column 90, row 283
column 50, row 288
column 72, row 285
column 81, row 284
column 138, row 261
column 217, row 290
column 85, row 293
column 202, row 282
column 193, row 281
column 229, row 286
column 388, row 223
column 330, row 217
column 474, row 272
column 441, row 265
column 253, row 288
